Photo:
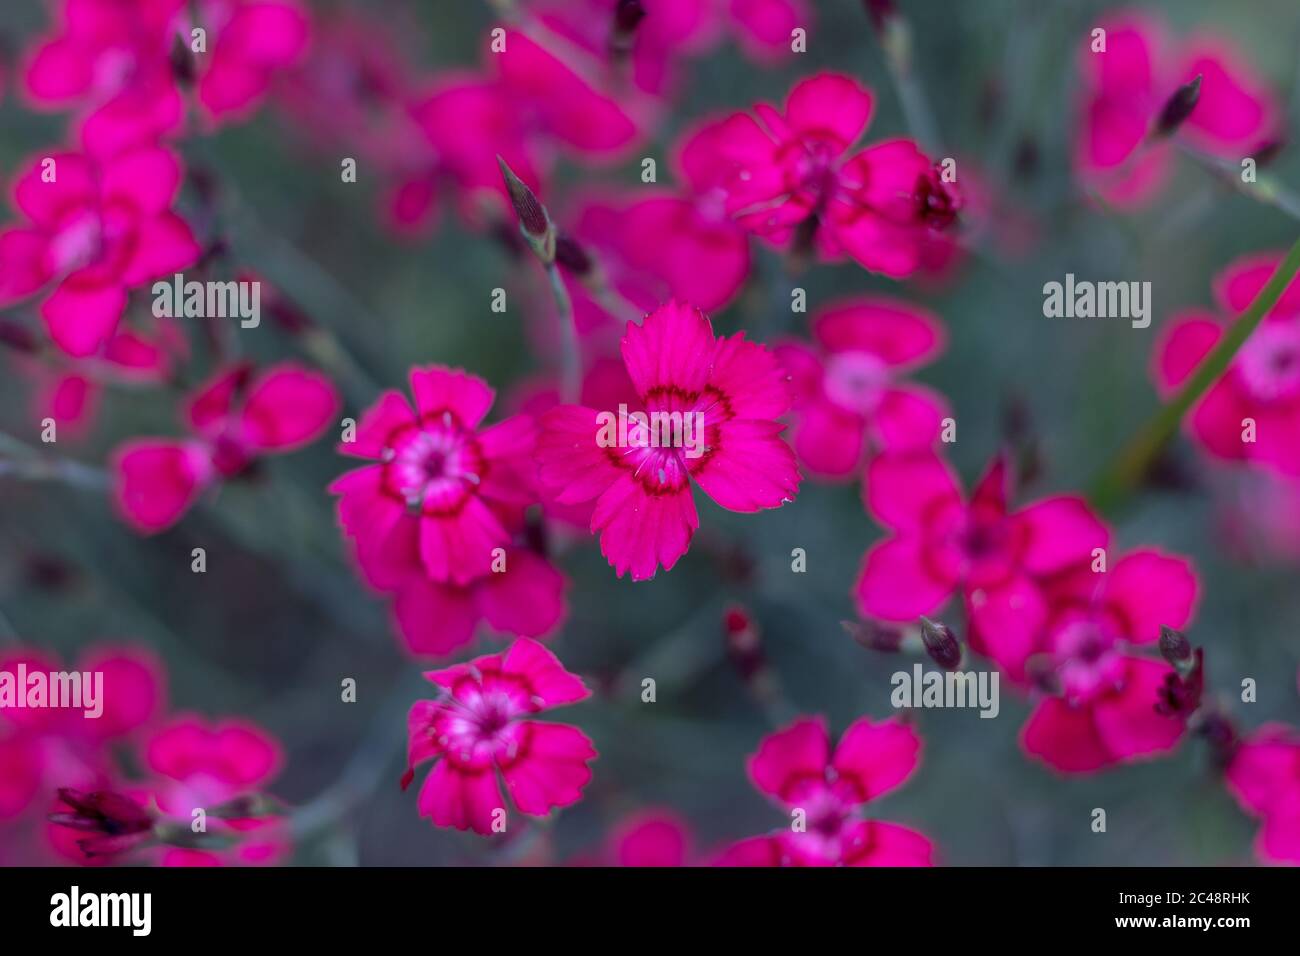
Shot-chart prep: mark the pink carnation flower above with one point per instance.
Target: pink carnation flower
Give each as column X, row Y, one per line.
column 1264, row 776
column 1263, row 381
column 214, row 767
column 481, row 730
column 847, row 397
column 652, row 838
column 436, row 519
column 114, row 61
column 1125, row 89
column 942, row 543
column 644, row 508
column 824, row 792
column 531, row 101
column 1105, row 710
column 93, row 233
column 794, row 178
column 235, row 419
column 45, row 748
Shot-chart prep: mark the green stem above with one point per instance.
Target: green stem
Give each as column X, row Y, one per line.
column 1133, row 462
column 571, row 357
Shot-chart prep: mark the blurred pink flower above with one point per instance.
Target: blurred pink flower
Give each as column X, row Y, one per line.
column 94, row 231
column 797, row 179
column 114, row 60
column 645, row 511
column 1125, row 88
column 530, row 102
column 651, row 838
column 42, row 749
column 942, row 543
column 1264, row 776
column 1104, row 711
column 481, row 729
column 216, row 768
column 1263, row 381
column 822, row 793
column 848, row 400
column 239, row 416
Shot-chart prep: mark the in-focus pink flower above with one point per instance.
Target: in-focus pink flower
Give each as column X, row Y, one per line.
column 238, row 417
column 217, row 767
column 1125, row 89
column 795, row 178
column 1264, row 776
column 437, row 519
column 482, row 733
column 117, row 63
column 1103, row 709
column 93, row 232
column 848, row 400
column 822, row 792
column 942, row 543
column 1261, row 384
column 644, row 507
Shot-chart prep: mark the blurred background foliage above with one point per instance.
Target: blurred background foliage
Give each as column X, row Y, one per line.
column 279, row 618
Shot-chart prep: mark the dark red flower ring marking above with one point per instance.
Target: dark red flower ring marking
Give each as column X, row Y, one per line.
column 435, row 466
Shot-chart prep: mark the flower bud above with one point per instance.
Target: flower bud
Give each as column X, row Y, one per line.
column 17, row 336
column 628, row 15
column 534, row 221
column 875, row 636
column 941, row 644
column 743, row 643
column 1174, row 646
column 1177, row 108
column 117, row 822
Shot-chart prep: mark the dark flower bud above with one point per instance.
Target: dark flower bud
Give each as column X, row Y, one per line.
column 743, row 643
column 572, row 256
column 880, row 11
column 937, row 202
column 1174, row 646
column 17, row 336
column 875, row 636
column 534, row 222
column 1177, row 108
column 1180, row 694
column 941, row 644
column 116, row 821
column 182, row 61
column 628, row 15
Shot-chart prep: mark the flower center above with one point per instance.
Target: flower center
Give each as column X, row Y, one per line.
column 1088, row 659
column 1270, row 361
column 436, row 467
column 855, row 381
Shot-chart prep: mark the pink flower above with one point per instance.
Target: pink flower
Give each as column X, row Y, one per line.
column 45, row 748
column 822, row 793
column 942, row 543
column 794, row 179
column 463, row 487
column 652, row 838
column 1105, row 710
column 645, row 512
column 235, row 419
column 481, row 729
column 1262, row 383
column 1125, row 89
column 672, row 29
column 114, row 61
column 1264, row 776
column 436, row 520
column 531, row 101
column 217, row 768
column 847, row 398
column 94, row 231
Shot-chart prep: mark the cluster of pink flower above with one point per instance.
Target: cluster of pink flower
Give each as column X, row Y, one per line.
column 77, row 771
column 442, row 517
